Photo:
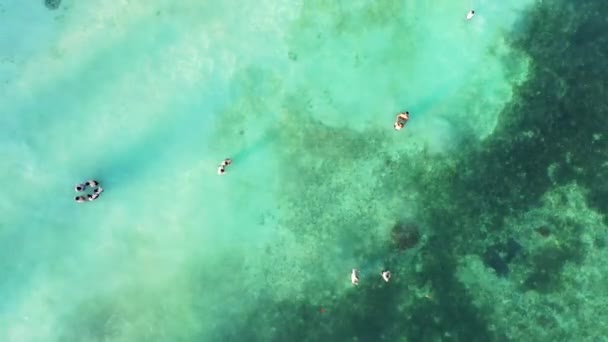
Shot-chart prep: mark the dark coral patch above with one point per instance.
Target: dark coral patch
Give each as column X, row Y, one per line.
column 405, row 235
column 52, row 4
column 543, row 231
column 499, row 256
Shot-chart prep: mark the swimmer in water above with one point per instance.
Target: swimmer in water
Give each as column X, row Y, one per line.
column 92, row 197
column 92, row 183
column 386, row 275
column 98, row 190
column 80, row 187
column 354, row 278
column 401, row 120
column 470, row 15
column 222, row 168
column 79, row 199
column 226, row 162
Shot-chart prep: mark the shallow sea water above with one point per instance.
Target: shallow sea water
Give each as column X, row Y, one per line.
column 149, row 96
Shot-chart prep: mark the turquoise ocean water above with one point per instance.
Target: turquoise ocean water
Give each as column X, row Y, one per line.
column 149, row 96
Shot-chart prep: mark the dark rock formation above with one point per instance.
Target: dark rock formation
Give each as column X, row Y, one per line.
column 405, row 235
column 52, row 4
column 499, row 256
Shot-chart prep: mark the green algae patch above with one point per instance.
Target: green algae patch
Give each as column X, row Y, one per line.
column 552, row 289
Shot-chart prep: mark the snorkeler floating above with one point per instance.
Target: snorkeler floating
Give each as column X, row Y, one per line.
column 97, row 190
column 401, row 120
column 470, row 15
column 222, row 168
column 386, row 275
column 354, row 278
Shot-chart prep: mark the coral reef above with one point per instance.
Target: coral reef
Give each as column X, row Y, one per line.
column 555, row 291
column 517, row 233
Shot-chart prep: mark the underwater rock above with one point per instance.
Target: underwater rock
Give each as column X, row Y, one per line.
column 543, row 231
column 494, row 260
column 499, row 256
column 512, row 248
column 405, row 235
column 52, row 4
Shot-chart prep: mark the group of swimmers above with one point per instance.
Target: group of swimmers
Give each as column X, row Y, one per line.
column 222, row 168
column 354, row 276
column 97, row 190
column 402, row 118
column 400, row 121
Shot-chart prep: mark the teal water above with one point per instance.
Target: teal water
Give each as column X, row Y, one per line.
column 149, row 96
